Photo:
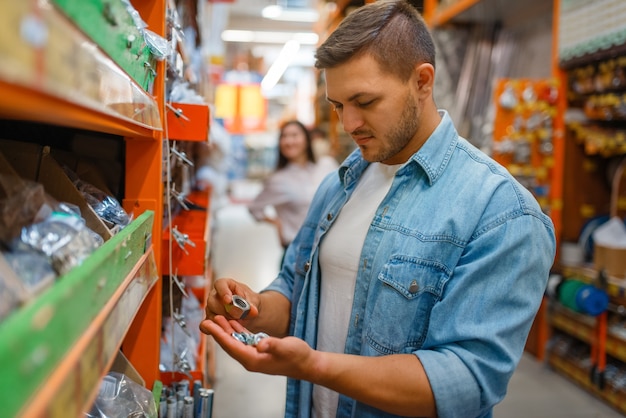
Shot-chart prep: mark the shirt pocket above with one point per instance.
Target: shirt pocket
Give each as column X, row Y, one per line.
column 405, row 292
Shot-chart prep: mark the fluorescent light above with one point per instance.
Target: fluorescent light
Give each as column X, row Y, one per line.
column 267, row 37
column 272, row 11
column 278, row 67
column 276, row 12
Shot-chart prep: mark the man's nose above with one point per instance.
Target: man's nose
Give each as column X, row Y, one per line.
column 351, row 119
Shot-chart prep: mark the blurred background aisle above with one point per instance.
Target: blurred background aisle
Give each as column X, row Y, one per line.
column 249, row 251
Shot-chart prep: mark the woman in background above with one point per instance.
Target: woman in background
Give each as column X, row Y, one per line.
column 290, row 188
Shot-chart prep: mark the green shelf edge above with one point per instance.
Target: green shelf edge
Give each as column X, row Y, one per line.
column 90, row 17
column 35, row 339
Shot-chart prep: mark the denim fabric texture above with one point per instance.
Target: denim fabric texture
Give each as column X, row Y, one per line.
column 453, row 270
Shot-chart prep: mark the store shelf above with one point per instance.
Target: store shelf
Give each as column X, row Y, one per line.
column 113, row 27
column 483, row 11
column 580, row 376
column 205, row 357
column 53, row 73
column 59, row 346
column 201, row 372
column 577, row 325
column 23, row 102
column 195, row 223
column 572, row 323
column 615, row 286
column 573, row 371
column 616, row 347
column 187, row 122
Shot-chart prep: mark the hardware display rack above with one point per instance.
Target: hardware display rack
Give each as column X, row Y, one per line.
column 588, row 50
column 587, row 349
column 54, row 75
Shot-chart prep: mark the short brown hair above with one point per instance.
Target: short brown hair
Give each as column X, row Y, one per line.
column 392, row 31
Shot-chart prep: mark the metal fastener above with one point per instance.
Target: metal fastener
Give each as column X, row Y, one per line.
column 238, row 308
column 248, row 338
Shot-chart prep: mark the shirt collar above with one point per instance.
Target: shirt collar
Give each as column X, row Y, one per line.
column 432, row 157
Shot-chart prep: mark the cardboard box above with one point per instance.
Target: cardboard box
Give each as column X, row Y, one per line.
column 121, row 364
column 612, row 260
column 34, row 162
column 84, row 169
column 12, row 290
column 20, row 201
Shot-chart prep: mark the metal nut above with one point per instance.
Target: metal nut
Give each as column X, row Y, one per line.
column 258, row 337
column 238, row 308
column 249, row 338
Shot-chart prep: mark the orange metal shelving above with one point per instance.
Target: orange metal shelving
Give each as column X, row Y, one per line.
column 27, row 103
column 144, row 191
column 34, row 97
column 187, row 122
column 436, row 16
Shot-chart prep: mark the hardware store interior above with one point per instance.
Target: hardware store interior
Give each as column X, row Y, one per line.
column 135, row 133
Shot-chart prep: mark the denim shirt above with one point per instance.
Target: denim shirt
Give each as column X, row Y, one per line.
column 453, row 270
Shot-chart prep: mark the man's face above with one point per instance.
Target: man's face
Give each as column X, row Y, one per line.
column 377, row 109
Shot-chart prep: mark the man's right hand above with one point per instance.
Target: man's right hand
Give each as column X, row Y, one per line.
column 221, row 296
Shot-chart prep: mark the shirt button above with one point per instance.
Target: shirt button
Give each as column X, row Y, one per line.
column 414, row 287
column 307, row 266
column 329, row 217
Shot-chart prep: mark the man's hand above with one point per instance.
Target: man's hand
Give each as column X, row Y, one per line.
column 289, row 356
column 269, row 311
column 221, row 296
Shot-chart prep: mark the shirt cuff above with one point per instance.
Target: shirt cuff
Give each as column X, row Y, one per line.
column 456, row 392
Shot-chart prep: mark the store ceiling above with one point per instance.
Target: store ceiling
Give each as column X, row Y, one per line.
column 246, row 14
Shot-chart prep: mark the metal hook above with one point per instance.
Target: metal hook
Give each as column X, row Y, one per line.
column 181, row 156
column 180, row 198
column 180, row 285
column 178, row 112
column 182, row 239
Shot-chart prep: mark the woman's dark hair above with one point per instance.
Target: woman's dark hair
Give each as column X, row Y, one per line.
column 392, row 31
column 282, row 160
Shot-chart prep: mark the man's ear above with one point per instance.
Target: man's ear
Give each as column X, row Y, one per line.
column 424, row 78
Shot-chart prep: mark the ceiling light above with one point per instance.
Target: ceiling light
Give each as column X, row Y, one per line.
column 276, row 12
column 267, row 37
column 278, row 67
column 272, row 11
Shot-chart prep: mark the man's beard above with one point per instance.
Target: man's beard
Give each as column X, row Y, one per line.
column 400, row 135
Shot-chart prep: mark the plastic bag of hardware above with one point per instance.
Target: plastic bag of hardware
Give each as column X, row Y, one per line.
column 159, row 46
column 120, row 397
column 139, row 22
column 63, row 237
column 105, row 206
column 178, row 347
column 33, row 269
column 182, row 92
column 23, row 276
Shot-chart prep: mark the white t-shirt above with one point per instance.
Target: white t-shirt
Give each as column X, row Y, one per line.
column 340, row 253
column 290, row 191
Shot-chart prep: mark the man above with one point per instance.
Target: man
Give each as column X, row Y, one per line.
column 413, row 283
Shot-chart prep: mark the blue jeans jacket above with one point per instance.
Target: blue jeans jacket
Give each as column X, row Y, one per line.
column 454, row 268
